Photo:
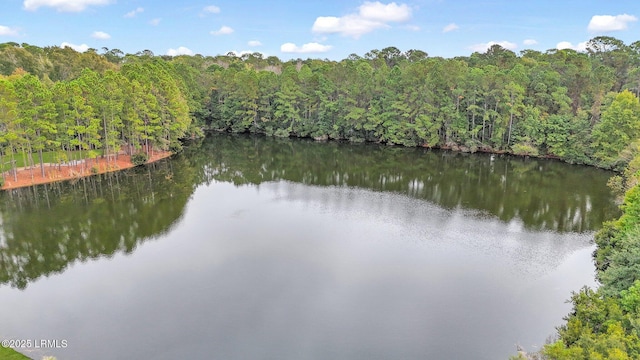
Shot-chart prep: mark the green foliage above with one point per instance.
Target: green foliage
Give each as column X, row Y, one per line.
column 616, row 184
column 605, row 324
column 630, row 299
column 139, row 158
column 525, row 149
column 545, row 104
column 51, row 157
column 10, row 354
column 619, row 126
column 597, row 328
column 142, row 105
column 623, row 262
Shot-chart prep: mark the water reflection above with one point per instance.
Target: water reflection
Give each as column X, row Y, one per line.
column 288, row 271
column 289, row 249
column 543, row 194
column 45, row 228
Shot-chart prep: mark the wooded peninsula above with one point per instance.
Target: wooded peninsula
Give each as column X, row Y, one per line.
column 58, row 105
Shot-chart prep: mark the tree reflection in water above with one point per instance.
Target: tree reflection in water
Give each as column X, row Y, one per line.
column 46, row 228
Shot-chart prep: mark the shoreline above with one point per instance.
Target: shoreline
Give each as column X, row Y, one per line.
column 84, row 168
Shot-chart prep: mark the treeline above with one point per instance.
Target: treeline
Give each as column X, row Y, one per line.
column 562, row 104
column 138, row 107
column 579, row 107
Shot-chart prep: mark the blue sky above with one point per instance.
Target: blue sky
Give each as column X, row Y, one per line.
column 330, row 29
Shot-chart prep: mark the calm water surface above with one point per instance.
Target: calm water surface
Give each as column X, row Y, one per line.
column 255, row 248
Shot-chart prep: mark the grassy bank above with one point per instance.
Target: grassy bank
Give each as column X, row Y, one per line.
column 27, row 177
column 10, row 354
column 50, row 157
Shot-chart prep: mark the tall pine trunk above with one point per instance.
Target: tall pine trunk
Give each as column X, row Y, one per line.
column 41, row 162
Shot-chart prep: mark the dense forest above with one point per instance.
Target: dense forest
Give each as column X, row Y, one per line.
column 94, row 108
column 581, row 107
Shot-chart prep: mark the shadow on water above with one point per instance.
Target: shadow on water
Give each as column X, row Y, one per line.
column 46, row 228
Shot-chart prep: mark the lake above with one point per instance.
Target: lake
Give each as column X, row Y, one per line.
column 256, row 248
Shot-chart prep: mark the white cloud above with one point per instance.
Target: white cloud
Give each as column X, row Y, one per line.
column 530, row 42
column 567, row 45
column 370, row 16
column 485, row 46
column 63, row 5
column 413, row 27
column 450, row 27
column 211, row 9
column 350, row 25
column 378, row 11
column 607, row 23
column 179, row 51
column 133, row 13
column 100, row 35
column 78, row 48
column 224, row 30
column 306, row 48
column 155, row 22
column 254, row 43
column 7, row 31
